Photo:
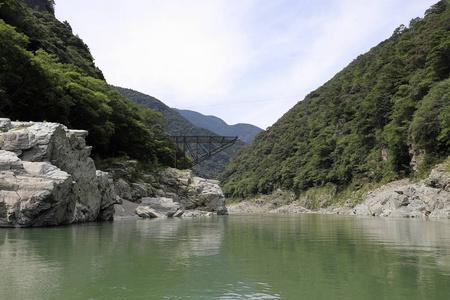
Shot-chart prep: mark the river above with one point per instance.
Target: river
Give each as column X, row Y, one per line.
column 255, row 256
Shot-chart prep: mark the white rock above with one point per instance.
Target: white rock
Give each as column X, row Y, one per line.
column 162, row 206
column 147, row 212
column 53, row 181
column 428, row 197
column 5, row 124
column 194, row 192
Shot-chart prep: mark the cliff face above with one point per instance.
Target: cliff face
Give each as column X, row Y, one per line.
column 47, row 177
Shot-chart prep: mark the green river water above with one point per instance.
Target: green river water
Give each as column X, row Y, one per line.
column 256, row 256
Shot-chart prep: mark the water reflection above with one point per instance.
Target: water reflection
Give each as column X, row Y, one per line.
column 427, row 240
column 235, row 257
column 246, row 290
column 23, row 271
column 192, row 237
column 407, row 233
column 343, row 257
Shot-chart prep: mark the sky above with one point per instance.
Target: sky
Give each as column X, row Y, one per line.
column 244, row 61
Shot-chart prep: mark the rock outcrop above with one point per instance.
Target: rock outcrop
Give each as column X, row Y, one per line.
column 47, row 177
column 429, row 197
column 426, row 198
column 193, row 192
column 173, row 193
column 159, row 207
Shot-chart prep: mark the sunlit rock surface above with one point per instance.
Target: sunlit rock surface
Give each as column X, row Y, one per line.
column 47, row 177
column 427, row 198
column 175, row 193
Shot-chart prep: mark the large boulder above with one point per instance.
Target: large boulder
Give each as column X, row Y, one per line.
column 108, row 196
column 207, row 194
column 48, row 177
column 178, row 193
column 34, row 193
column 158, row 207
column 123, row 189
column 426, row 198
column 194, row 192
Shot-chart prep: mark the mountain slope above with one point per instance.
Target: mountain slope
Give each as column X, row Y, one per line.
column 245, row 132
column 41, row 5
column 48, row 74
column 385, row 116
column 176, row 124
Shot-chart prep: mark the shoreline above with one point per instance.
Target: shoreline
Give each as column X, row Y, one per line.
column 428, row 198
column 256, row 206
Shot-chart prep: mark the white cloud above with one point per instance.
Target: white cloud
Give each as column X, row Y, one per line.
column 208, row 52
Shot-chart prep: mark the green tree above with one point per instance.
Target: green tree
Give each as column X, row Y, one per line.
column 360, row 126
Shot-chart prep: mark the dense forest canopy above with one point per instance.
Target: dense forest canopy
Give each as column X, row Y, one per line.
column 385, row 116
column 47, row 73
column 41, row 5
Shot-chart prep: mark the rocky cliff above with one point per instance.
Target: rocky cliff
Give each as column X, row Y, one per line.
column 169, row 193
column 47, row 177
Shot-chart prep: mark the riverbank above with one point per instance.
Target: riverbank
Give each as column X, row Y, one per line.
column 268, row 206
column 427, row 198
column 47, row 178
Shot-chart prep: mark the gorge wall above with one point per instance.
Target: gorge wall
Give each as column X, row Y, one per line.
column 47, row 177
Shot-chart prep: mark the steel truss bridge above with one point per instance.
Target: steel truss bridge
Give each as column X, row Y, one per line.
column 200, row 148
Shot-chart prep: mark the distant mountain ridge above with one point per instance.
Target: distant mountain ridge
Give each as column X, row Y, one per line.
column 245, row 132
column 179, row 125
column 176, row 123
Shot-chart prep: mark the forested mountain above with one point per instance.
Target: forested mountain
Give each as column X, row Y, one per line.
column 245, row 132
column 48, row 74
column 385, row 116
column 41, row 5
column 176, row 124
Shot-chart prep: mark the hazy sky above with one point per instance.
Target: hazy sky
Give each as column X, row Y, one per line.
column 245, row 61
